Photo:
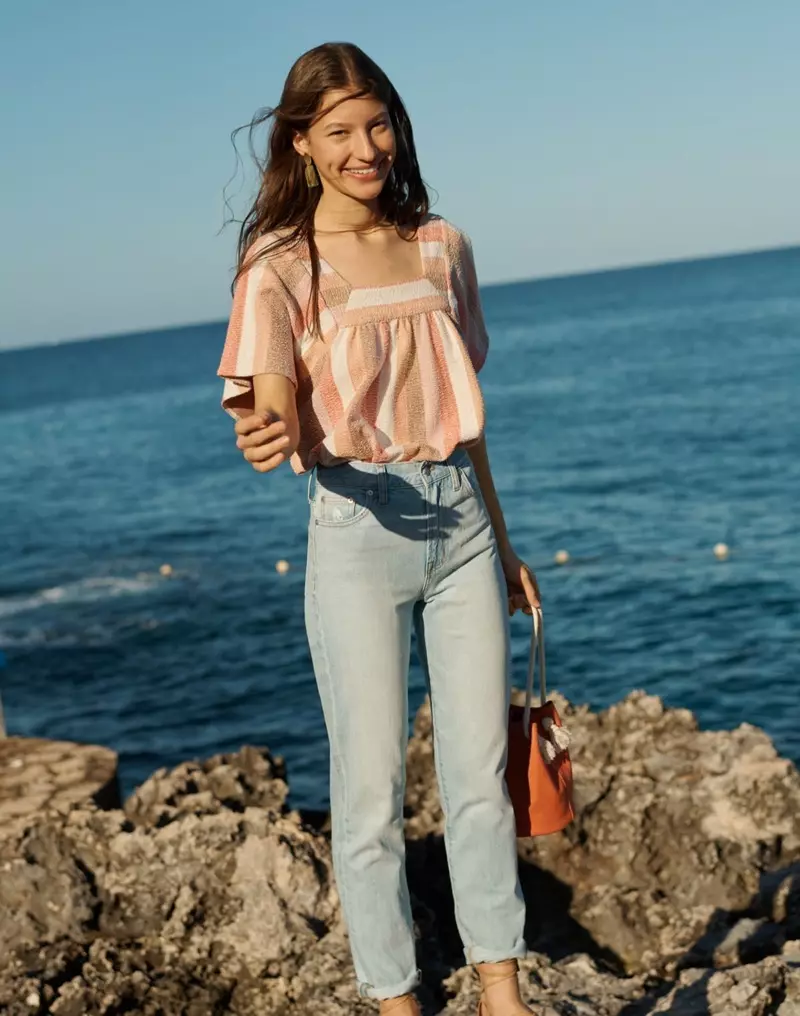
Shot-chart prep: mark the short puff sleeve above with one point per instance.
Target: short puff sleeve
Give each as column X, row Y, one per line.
column 260, row 337
column 466, row 298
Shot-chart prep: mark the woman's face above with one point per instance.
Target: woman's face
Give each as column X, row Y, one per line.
column 353, row 145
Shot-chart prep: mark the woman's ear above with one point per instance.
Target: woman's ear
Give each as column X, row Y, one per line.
column 300, row 144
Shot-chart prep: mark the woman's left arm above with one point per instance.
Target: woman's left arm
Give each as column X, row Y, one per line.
column 523, row 589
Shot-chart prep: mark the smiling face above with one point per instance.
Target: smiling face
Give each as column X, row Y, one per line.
column 352, row 145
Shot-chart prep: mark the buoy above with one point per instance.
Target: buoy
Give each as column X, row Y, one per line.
column 562, row 556
column 721, row 551
column 166, row 569
column 281, row 567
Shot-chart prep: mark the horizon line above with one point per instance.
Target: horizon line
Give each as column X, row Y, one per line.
column 610, row 269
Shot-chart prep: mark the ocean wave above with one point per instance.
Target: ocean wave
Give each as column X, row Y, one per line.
column 88, row 590
column 95, row 636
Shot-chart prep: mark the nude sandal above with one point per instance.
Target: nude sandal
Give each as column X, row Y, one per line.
column 409, row 1003
column 506, row 971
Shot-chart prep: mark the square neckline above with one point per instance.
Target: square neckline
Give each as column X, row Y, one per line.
column 386, row 285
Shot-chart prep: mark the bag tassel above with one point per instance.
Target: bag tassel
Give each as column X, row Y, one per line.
column 560, row 736
column 548, row 749
column 555, row 742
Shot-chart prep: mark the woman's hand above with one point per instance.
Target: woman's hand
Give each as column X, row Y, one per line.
column 523, row 589
column 264, row 441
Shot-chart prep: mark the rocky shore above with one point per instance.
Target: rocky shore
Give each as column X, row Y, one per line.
column 676, row 890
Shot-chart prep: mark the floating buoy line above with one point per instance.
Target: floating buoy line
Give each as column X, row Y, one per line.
column 721, row 552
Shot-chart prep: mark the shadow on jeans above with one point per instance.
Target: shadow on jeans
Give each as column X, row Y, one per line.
column 408, row 512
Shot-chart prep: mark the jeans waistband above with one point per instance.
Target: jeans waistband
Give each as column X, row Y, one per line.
column 355, row 474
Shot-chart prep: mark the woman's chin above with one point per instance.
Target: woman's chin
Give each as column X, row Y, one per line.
column 363, row 190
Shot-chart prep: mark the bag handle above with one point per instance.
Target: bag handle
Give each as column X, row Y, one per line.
column 537, row 643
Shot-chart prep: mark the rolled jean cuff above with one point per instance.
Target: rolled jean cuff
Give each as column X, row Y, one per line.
column 478, row 954
column 392, row 991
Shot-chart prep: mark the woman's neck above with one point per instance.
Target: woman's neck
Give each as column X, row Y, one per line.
column 338, row 213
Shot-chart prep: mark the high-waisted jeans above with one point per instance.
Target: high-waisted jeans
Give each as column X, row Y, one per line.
column 391, row 548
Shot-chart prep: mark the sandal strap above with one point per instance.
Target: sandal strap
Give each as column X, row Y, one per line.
column 506, row 970
column 390, row 1004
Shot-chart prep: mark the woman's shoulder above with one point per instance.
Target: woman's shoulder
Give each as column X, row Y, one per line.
column 279, row 260
column 444, row 227
column 276, row 249
column 456, row 241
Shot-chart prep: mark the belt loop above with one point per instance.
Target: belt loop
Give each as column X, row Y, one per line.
column 312, row 484
column 383, row 485
column 455, row 477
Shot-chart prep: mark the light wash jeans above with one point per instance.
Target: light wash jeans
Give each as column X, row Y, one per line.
column 391, row 547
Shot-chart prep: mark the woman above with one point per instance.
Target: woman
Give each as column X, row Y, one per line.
column 353, row 347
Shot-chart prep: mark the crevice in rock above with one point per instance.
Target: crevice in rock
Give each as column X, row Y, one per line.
column 72, row 968
column 776, row 999
column 97, row 905
column 318, row 926
column 223, row 1002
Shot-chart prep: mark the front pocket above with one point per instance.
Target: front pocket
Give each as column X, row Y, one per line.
column 466, row 481
column 339, row 509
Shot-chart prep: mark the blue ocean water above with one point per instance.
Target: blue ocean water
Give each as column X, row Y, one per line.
column 635, row 419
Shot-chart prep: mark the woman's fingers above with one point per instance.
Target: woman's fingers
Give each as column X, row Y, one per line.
column 264, row 452
column 263, row 435
column 269, row 464
column 531, row 588
column 262, row 441
column 251, row 423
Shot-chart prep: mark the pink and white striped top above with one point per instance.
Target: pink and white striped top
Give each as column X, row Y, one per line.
column 393, row 377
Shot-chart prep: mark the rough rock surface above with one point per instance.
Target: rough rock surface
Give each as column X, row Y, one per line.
column 575, row 987
column 248, row 779
column 686, row 846
column 183, row 912
column 675, row 891
column 36, row 774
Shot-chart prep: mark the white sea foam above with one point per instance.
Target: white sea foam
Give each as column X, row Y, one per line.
column 88, row 590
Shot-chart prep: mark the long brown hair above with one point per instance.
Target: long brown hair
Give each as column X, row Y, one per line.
column 285, row 202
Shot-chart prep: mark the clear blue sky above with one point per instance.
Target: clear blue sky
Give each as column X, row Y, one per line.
column 561, row 136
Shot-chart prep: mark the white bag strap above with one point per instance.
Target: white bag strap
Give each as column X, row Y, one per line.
column 537, row 643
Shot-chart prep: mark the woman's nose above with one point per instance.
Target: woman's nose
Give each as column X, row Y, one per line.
column 365, row 148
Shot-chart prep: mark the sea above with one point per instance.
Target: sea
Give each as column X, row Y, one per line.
column 636, row 420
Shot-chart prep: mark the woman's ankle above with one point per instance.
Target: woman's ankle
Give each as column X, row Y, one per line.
column 500, row 992
column 401, row 1005
column 494, row 973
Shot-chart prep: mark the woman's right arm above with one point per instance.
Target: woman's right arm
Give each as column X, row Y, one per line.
column 271, row 434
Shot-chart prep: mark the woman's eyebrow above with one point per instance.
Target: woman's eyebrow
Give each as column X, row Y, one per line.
column 339, row 124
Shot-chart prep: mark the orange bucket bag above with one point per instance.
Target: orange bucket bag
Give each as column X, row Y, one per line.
column 539, row 770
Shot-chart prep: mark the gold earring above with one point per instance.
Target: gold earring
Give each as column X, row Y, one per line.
column 312, row 179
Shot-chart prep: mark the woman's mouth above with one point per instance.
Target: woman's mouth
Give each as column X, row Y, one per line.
column 366, row 173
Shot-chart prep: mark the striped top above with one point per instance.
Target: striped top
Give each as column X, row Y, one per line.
column 393, row 377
